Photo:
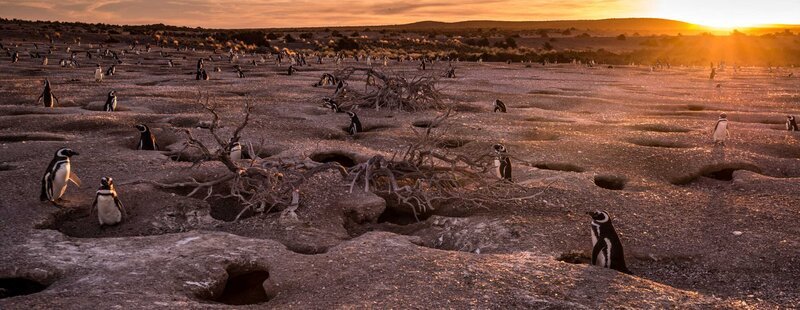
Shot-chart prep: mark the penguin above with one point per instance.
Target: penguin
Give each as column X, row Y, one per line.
column 14, row 57
column 355, row 124
column 713, row 73
column 291, row 70
column 720, row 132
column 502, row 162
column 332, row 105
column 499, row 106
column 98, row 74
column 239, row 72
column 339, row 89
column 107, row 204
column 147, row 141
column 48, row 98
column 111, row 102
column 235, row 152
column 54, row 181
column 111, row 70
column 791, row 124
column 44, row 61
column 606, row 246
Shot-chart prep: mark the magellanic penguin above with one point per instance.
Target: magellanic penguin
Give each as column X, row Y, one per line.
column 111, row 102
column 606, row 246
column 54, row 181
column 339, row 89
column 499, row 106
column 355, row 124
column 48, row 98
column 107, row 204
column 332, row 104
column 791, row 124
column 720, row 132
column 502, row 162
column 147, row 141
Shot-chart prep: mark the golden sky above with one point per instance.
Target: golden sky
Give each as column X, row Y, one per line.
column 295, row 13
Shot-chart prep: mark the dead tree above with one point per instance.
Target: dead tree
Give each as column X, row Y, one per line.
column 424, row 176
column 258, row 185
column 396, row 92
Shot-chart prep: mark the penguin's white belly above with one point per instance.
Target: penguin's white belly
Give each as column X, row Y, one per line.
column 60, row 181
column 236, row 154
column 497, row 172
column 107, row 211
column 722, row 131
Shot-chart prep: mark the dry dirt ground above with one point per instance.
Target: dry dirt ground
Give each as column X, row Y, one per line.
column 703, row 226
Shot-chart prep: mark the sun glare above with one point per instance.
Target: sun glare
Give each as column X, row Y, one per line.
column 729, row 14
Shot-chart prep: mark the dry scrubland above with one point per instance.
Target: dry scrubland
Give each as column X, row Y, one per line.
column 627, row 140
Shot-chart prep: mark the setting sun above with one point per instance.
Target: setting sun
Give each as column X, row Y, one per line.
column 729, row 14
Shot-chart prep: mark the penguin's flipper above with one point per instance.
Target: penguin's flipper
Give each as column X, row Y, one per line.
column 46, row 183
column 93, row 208
column 75, row 179
column 120, row 206
column 598, row 247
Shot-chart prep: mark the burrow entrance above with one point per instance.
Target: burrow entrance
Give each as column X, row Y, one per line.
column 244, row 286
column 560, row 167
column 343, row 159
column 720, row 172
column 10, row 287
column 575, row 257
column 610, row 182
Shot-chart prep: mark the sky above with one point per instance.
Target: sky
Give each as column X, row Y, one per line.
column 301, row 13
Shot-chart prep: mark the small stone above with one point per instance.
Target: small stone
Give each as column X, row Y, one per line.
column 737, row 233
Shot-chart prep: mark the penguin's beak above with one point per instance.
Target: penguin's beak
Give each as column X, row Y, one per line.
column 75, row 153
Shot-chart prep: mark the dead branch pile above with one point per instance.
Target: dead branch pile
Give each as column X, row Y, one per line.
column 422, row 177
column 258, row 185
column 398, row 92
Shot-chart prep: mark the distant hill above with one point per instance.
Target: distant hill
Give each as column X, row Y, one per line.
column 620, row 24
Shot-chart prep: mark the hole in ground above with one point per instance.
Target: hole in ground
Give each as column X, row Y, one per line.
column 611, row 182
column 560, row 167
column 661, row 128
column 722, row 172
column 339, row 157
column 575, row 257
column 423, row 124
column 10, row 287
column 226, row 209
column 7, row 166
column 33, row 136
column 657, row 143
column 244, row 286
column 398, row 217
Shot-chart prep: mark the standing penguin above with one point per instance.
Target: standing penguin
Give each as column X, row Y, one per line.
column 98, row 74
column 14, row 57
column 47, row 96
column 339, row 89
column 291, row 70
column 720, row 132
column 54, row 181
column 111, row 70
column 147, row 141
column 499, row 106
column 606, row 246
column 502, row 162
column 111, row 102
column 713, row 73
column 107, row 204
column 355, row 124
column 791, row 124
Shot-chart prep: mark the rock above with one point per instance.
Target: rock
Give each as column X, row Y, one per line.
column 362, row 207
